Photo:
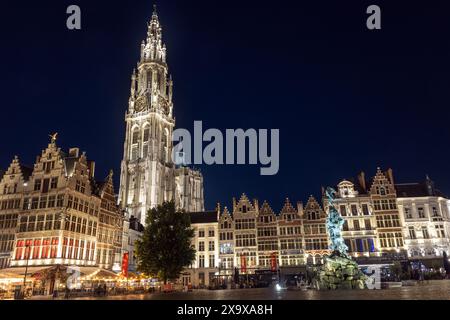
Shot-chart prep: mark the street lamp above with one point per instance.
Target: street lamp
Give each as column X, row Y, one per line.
column 27, row 253
column 220, row 262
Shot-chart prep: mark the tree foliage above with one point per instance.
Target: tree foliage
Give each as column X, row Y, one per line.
column 165, row 248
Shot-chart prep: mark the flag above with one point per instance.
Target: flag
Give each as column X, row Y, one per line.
column 125, row 265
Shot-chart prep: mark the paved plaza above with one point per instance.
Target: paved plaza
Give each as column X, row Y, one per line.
column 432, row 290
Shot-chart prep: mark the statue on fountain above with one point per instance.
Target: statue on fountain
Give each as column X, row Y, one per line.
column 334, row 226
column 339, row 271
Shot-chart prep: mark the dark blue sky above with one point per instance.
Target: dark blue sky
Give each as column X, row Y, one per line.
column 344, row 98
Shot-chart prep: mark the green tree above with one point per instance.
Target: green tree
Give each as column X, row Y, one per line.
column 165, row 248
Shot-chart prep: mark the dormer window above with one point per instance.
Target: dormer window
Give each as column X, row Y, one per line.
column 244, row 209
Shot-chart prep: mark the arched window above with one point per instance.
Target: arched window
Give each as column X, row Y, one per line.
column 165, row 144
column 135, row 144
column 145, row 145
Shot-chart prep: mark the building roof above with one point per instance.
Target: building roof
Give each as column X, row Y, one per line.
column 204, row 217
column 422, row 189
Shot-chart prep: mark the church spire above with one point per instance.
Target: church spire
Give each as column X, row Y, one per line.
column 154, row 48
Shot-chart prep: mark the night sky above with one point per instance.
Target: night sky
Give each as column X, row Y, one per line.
column 344, row 98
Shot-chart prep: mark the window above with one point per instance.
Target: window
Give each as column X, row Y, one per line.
column 354, row 210
column 37, row 185
column 212, row 261
column 211, row 246
column 60, row 201
column 343, row 211
column 367, row 224
column 31, row 223
column 45, row 185
column 201, row 246
column 421, row 213
column 51, row 201
column 408, row 214
column 40, row 223
column 48, row 221
column 345, row 226
column 440, row 232
column 135, row 137
column 54, row 183
column 425, row 233
column 201, row 233
column 245, row 240
column 412, row 233
column 73, row 224
column 146, row 134
column 210, row 233
column 43, row 203
column 356, row 226
column 245, row 224
column 201, row 261
column 435, row 212
column 26, row 204
column 365, row 209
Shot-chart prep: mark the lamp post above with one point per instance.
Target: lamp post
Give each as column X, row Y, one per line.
column 27, row 252
column 219, row 261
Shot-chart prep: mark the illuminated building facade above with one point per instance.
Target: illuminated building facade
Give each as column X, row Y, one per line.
column 393, row 221
column 315, row 232
column 206, row 243
column 425, row 215
column 254, row 239
column 149, row 175
column 290, row 236
column 59, row 214
column 355, row 206
column 12, row 186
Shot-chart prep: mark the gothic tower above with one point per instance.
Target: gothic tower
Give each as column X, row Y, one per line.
column 148, row 174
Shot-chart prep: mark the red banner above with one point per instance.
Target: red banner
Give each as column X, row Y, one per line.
column 243, row 264
column 273, row 262
column 125, row 265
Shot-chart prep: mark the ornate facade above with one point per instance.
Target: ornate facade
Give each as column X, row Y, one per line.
column 57, row 214
column 393, row 221
column 253, row 239
column 425, row 215
column 359, row 230
column 148, row 173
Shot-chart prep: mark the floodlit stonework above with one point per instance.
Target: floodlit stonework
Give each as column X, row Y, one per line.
column 56, row 213
column 148, row 173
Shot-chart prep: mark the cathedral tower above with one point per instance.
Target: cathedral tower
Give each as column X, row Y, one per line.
column 148, row 174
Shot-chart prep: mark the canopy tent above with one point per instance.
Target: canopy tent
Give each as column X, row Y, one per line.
column 46, row 271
